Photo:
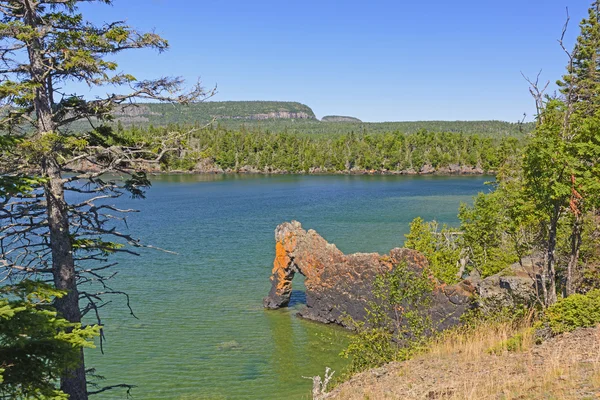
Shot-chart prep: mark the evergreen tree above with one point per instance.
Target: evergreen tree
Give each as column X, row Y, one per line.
column 581, row 84
column 45, row 46
column 36, row 345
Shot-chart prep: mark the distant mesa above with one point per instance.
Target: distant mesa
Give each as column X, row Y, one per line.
column 213, row 110
column 339, row 118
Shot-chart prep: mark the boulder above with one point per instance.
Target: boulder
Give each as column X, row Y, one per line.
column 516, row 285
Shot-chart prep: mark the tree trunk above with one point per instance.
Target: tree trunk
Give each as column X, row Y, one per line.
column 574, row 257
column 73, row 382
column 550, row 293
column 38, row 71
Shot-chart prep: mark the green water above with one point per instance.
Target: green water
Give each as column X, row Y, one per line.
column 202, row 332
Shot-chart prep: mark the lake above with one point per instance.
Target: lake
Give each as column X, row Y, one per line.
column 201, row 331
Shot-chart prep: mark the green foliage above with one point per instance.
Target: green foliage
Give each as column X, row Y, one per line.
column 371, row 348
column 397, row 324
column 19, row 184
column 575, row 311
column 560, row 167
column 297, row 153
column 499, row 228
column 581, row 83
column 36, row 344
column 589, row 263
column 549, row 163
column 439, row 246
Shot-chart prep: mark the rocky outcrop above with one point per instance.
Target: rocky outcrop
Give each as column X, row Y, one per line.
column 338, row 284
column 452, row 169
column 265, row 116
column 427, row 169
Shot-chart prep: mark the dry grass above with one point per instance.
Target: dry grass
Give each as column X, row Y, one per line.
column 470, row 344
column 459, row 365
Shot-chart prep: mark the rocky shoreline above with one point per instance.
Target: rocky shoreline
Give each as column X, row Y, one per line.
column 207, row 166
column 427, row 169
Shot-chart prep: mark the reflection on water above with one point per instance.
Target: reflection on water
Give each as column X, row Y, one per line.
column 297, row 298
column 202, row 331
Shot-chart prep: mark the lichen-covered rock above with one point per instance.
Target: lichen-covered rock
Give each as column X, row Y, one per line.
column 514, row 286
column 338, row 284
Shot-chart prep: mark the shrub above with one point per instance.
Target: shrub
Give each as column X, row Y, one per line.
column 36, row 344
column 576, row 311
column 438, row 244
column 518, row 342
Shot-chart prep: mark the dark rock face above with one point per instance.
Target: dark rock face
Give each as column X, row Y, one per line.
column 338, row 284
column 270, row 115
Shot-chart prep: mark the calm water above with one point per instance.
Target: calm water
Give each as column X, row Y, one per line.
column 202, row 332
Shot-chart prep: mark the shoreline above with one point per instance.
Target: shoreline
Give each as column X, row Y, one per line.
column 209, row 167
column 252, row 171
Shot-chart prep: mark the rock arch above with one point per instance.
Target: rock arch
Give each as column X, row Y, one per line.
column 338, row 284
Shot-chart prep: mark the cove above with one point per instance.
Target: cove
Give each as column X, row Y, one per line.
column 201, row 331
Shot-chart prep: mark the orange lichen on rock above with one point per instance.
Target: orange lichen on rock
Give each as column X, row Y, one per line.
column 280, row 269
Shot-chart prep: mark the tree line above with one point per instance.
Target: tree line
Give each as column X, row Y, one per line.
column 234, row 150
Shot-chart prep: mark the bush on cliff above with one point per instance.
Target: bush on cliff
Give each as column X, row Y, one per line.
column 397, row 324
column 439, row 245
column 496, row 229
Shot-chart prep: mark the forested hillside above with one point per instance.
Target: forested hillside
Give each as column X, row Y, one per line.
column 161, row 114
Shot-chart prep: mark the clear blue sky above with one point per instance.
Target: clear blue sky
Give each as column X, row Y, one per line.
column 375, row 60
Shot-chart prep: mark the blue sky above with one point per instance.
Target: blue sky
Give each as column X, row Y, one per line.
column 375, row 60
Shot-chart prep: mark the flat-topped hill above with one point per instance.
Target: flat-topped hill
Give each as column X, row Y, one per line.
column 164, row 114
column 339, row 118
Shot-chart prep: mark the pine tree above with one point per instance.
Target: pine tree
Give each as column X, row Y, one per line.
column 36, row 345
column 581, row 84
